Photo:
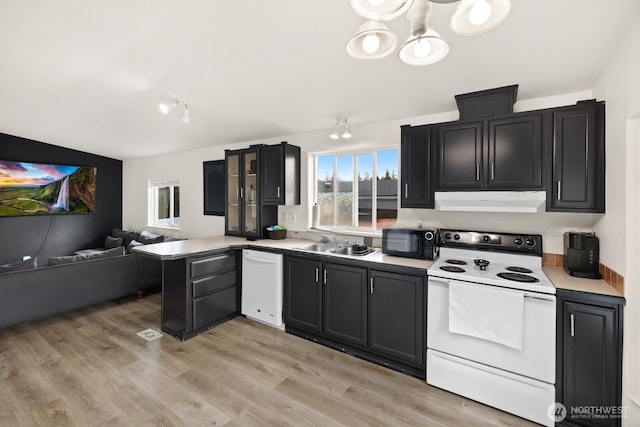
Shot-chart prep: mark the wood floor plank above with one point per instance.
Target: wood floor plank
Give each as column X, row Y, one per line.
column 89, row 368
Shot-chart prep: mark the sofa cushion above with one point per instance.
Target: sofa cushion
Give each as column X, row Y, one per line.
column 147, row 238
column 27, row 264
column 96, row 255
column 113, row 242
column 86, row 252
column 133, row 244
column 126, row 236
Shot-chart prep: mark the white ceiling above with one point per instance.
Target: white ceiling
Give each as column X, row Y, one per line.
column 89, row 74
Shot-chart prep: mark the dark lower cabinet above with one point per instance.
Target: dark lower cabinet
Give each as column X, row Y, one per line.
column 198, row 293
column 396, row 316
column 374, row 314
column 345, row 303
column 303, row 294
column 589, row 362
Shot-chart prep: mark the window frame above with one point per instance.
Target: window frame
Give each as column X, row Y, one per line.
column 153, row 188
column 355, row 190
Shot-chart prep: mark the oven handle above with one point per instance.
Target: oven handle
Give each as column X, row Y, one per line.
column 540, row 297
column 551, row 299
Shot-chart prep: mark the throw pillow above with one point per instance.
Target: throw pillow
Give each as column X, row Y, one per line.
column 27, row 264
column 107, row 253
column 126, row 236
column 113, row 242
column 133, row 244
column 147, row 238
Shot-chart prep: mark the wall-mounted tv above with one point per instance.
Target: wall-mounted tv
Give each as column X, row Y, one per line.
column 46, row 189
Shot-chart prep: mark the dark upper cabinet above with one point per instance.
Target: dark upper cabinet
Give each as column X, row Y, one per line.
column 303, row 294
column 515, row 152
column 416, row 180
column 245, row 215
column 578, row 159
column 280, row 174
column 499, row 154
column 459, row 156
column 345, row 303
column 589, row 361
column 396, row 316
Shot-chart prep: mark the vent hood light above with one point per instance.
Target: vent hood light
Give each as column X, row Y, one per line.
column 491, row 201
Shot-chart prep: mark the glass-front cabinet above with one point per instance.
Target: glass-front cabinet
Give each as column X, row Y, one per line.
column 249, row 192
column 233, row 204
column 246, row 215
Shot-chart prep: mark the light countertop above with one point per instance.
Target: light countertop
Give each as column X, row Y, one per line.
column 562, row 280
column 184, row 248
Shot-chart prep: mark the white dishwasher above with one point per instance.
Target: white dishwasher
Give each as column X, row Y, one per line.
column 262, row 277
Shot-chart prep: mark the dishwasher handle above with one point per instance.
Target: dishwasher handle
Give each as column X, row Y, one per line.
column 262, row 260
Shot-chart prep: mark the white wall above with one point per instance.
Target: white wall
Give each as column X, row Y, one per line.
column 188, row 167
column 619, row 85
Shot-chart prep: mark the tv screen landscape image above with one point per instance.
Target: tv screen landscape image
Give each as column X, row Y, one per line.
column 46, row 189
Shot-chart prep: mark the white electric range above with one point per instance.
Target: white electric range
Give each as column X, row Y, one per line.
column 491, row 322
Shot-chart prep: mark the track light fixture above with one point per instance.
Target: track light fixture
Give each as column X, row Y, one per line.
column 424, row 46
column 341, row 129
column 166, row 109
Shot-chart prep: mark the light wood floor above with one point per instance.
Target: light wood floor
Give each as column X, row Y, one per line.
column 89, row 368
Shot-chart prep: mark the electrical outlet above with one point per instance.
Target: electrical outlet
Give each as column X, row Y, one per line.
column 291, row 218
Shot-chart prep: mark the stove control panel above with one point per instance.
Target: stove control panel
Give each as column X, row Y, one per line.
column 507, row 242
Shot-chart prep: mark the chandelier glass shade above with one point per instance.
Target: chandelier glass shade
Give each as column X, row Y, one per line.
column 372, row 40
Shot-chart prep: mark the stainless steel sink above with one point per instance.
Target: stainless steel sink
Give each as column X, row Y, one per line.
column 316, row 247
column 331, row 248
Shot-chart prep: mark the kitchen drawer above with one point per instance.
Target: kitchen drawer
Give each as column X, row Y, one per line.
column 213, row 264
column 214, row 307
column 207, row 285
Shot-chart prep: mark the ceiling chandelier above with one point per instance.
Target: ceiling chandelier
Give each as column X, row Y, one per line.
column 374, row 40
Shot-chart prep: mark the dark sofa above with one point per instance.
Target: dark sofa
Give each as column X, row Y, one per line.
column 44, row 291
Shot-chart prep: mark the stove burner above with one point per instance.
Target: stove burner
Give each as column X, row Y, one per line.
column 482, row 263
column 452, row 269
column 456, row 262
column 517, row 277
column 519, row 269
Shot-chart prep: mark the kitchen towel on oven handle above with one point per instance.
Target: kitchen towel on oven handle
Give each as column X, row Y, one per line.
column 486, row 312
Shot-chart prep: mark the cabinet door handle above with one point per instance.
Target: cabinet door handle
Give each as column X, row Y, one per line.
column 317, row 275
column 406, row 191
column 325, row 276
column 371, row 285
column 477, row 171
column 493, row 171
column 241, row 193
column 278, row 191
column 572, row 326
column 559, row 188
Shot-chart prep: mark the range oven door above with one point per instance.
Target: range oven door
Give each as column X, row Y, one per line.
column 517, row 381
column 536, row 359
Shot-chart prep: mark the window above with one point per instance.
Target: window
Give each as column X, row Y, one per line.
column 164, row 203
column 358, row 190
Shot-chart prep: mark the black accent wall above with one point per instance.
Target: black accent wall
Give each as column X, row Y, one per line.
column 56, row 235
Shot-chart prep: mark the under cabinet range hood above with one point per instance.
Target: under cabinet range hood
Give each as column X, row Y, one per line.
column 491, row 201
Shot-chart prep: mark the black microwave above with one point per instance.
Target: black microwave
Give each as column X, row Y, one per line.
column 419, row 243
